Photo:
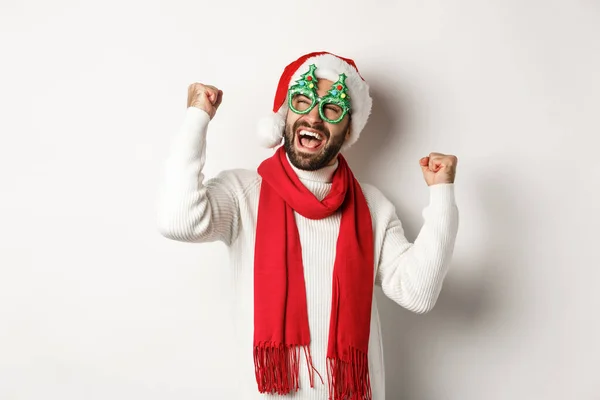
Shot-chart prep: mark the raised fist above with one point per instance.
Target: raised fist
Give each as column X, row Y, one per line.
column 439, row 168
column 204, row 97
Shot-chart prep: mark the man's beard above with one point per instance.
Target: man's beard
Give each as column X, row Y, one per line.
column 308, row 161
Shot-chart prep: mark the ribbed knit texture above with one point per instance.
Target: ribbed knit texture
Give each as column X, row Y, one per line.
column 225, row 207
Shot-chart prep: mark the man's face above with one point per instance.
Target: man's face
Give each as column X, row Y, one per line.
column 305, row 151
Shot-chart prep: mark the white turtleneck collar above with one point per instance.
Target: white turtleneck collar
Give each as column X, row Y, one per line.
column 323, row 175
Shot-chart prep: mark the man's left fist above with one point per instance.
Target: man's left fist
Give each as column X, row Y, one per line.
column 438, row 168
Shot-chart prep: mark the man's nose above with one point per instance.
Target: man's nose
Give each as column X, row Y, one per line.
column 313, row 116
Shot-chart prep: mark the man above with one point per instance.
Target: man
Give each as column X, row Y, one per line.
column 307, row 241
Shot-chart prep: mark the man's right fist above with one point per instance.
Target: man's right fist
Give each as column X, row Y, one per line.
column 204, row 97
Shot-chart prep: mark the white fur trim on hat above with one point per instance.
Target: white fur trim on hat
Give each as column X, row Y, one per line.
column 271, row 128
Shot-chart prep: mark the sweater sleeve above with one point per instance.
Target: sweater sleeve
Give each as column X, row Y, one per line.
column 412, row 274
column 188, row 209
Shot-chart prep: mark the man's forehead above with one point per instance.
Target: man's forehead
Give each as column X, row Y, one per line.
column 323, row 85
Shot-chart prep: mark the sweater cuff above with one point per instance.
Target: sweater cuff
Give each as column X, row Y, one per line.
column 442, row 194
column 196, row 118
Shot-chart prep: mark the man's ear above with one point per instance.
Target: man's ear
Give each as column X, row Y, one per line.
column 348, row 132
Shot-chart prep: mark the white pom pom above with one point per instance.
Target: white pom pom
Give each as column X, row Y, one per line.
column 270, row 130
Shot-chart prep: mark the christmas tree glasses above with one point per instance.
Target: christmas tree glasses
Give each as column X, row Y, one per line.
column 303, row 97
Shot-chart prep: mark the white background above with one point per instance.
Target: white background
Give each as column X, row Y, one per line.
column 95, row 304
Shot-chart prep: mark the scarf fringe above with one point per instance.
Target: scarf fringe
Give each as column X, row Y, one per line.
column 349, row 380
column 277, row 367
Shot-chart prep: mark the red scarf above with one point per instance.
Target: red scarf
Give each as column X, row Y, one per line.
column 281, row 328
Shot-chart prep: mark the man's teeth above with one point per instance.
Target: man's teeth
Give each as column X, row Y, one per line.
column 311, row 134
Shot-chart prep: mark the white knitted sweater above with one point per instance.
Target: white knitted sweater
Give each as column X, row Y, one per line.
column 225, row 208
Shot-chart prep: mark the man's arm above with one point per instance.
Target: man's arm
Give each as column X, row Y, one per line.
column 412, row 274
column 188, row 209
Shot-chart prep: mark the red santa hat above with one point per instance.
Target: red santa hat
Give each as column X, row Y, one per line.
column 329, row 66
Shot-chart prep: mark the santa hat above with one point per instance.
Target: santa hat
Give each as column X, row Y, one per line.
column 329, row 66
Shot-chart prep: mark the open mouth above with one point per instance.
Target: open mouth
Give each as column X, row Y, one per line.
column 309, row 140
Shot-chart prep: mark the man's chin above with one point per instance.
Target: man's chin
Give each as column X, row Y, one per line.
column 305, row 161
column 306, row 155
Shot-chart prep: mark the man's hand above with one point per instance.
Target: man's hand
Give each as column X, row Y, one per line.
column 204, row 97
column 438, row 168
